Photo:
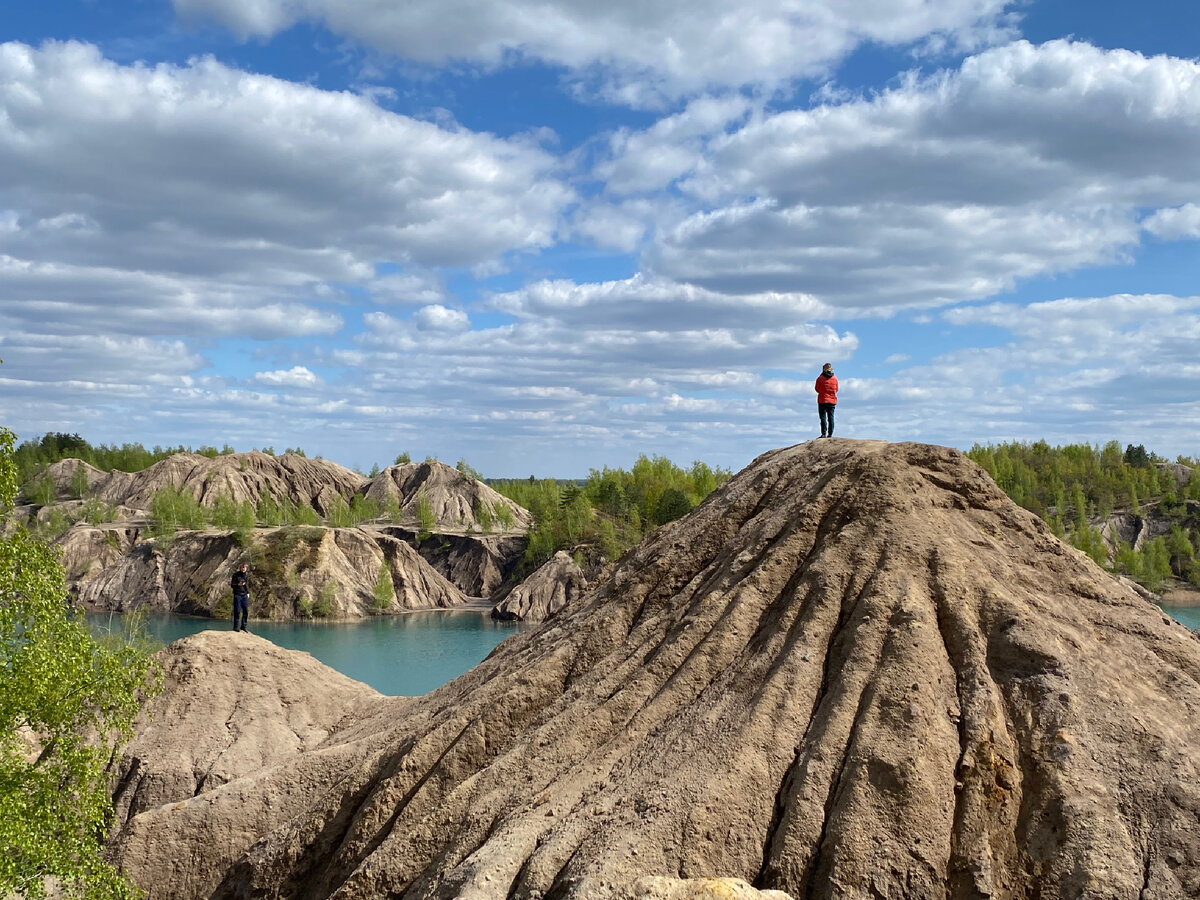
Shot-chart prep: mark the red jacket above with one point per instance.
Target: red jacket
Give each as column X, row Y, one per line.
column 826, row 388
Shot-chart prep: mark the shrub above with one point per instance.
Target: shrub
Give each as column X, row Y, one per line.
column 172, row 509
column 79, row 482
column 425, row 517
column 385, row 589
column 324, row 606
column 41, row 492
column 96, row 512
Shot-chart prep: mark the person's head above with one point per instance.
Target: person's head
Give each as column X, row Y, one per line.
column 827, row 369
column 243, row 567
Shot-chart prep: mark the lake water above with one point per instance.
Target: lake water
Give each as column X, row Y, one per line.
column 1188, row 615
column 404, row 655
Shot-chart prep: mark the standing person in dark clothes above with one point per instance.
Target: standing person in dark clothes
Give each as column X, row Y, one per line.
column 826, row 388
column 240, row 582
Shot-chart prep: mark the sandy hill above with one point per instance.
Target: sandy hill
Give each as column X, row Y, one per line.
column 455, row 501
column 239, row 476
column 856, row 670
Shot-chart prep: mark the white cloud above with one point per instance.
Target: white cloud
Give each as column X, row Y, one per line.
column 634, row 52
column 1174, row 224
column 439, row 318
column 1028, row 160
column 296, row 376
column 204, row 168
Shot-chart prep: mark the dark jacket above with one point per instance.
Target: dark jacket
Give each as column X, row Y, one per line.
column 240, row 582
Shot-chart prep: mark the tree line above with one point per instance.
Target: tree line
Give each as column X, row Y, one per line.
column 1077, row 488
column 612, row 509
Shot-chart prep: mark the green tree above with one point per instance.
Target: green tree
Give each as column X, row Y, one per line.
column 385, row 588
column 79, row 482
column 403, row 459
column 59, row 690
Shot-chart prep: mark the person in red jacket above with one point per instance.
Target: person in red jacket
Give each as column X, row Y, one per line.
column 826, row 388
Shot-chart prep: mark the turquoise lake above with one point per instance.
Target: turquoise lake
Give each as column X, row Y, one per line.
column 399, row 655
column 403, row 655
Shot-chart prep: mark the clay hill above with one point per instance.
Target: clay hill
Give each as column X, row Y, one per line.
column 442, row 538
column 856, row 670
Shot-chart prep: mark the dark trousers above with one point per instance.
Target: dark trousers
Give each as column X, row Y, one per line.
column 826, row 412
column 241, row 609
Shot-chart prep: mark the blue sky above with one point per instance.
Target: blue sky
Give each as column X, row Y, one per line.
column 549, row 237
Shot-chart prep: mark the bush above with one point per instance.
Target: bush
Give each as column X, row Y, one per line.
column 385, row 589
column 172, row 509
column 79, row 482
column 41, row 492
column 96, row 512
column 324, row 606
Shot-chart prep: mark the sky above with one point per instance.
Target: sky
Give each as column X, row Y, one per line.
column 549, row 237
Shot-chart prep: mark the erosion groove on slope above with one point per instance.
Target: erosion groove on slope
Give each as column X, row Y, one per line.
column 856, row 670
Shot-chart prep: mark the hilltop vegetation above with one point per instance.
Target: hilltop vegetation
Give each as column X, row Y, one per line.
column 613, row 509
column 1082, row 492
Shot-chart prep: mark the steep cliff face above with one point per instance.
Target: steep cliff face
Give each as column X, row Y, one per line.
column 552, row 587
column 298, row 572
column 856, row 670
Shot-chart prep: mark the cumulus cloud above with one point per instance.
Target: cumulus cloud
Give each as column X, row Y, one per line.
column 1026, row 161
column 296, row 376
column 633, row 52
column 436, row 317
column 1175, row 224
column 204, row 168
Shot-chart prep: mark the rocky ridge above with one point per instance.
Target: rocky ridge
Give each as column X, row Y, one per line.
column 297, row 571
column 856, row 670
column 557, row 583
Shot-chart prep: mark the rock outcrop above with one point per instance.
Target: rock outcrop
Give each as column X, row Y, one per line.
column 454, row 501
column 554, row 585
column 856, row 670
column 477, row 564
column 297, row 572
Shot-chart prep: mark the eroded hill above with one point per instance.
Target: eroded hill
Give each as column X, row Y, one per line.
column 321, row 540
column 857, row 670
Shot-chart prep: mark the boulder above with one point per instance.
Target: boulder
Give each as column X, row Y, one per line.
column 477, row 564
column 856, row 670
column 554, row 585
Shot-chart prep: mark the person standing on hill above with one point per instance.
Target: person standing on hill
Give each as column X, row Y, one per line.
column 826, row 388
column 240, row 582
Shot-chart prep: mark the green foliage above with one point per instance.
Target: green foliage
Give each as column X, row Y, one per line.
column 96, row 512
column 611, row 508
column 33, row 456
column 60, row 689
column 673, row 504
column 236, row 517
column 504, row 515
column 347, row 515
column 385, row 589
column 1076, row 485
column 324, row 605
column 55, row 524
column 465, row 469
column 79, row 482
column 425, row 517
column 172, row 509
column 41, row 492
column 403, row 459
column 483, row 515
